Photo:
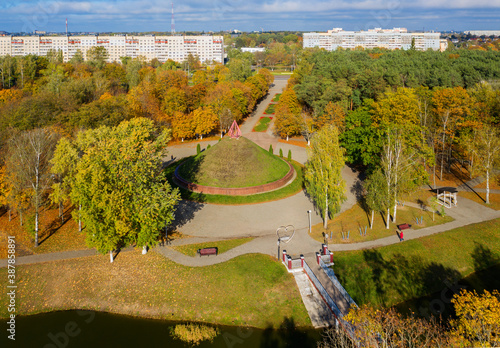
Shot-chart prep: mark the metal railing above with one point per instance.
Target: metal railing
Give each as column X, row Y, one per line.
column 331, row 274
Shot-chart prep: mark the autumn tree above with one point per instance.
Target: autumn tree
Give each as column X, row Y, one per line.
column 28, row 166
column 478, row 319
column 323, row 172
column 486, row 148
column 287, row 115
column 376, row 191
column 120, row 185
column 182, row 126
column 451, row 105
column 204, row 121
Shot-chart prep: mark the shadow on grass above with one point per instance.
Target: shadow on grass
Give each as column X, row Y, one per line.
column 287, row 335
column 414, row 285
column 54, row 226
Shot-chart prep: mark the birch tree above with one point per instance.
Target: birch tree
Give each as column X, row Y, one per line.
column 375, row 193
column 28, row 165
column 486, row 147
column 323, row 172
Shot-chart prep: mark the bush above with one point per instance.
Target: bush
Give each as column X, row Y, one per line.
column 194, row 334
column 198, row 149
column 208, row 146
column 281, row 153
column 271, row 149
column 289, row 155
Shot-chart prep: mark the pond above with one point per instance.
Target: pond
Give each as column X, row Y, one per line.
column 97, row 329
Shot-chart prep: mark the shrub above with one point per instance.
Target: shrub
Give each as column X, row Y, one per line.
column 271, row 149
column 281, row 153
column 198, row 149
column 194, row 334
column 289, row 155
column 208, row 146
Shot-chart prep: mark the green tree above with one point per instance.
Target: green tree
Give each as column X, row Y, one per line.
column 120, row 185
column 97, row 57
column 323, row 172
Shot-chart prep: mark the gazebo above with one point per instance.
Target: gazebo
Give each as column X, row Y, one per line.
column 447, row 196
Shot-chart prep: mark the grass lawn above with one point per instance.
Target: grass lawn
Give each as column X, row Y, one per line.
column 234, row 163
column 270, row 109
column 276, row 98
column 251, row 290
column 289, row 190
column 263, row 124
column 481, row 199
column 222, row 246
column 355, row 218
column 390, row 275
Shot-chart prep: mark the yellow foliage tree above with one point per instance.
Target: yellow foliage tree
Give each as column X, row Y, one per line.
column 478, row 318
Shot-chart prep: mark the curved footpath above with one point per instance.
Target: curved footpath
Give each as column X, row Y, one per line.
column 212, row 223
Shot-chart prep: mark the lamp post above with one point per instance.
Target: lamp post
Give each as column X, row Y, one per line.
column 309, row 214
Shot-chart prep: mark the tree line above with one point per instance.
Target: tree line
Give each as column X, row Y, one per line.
column 91, row 136
column 405, row 117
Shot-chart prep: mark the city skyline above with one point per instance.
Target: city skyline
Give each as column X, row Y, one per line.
column 257, row 15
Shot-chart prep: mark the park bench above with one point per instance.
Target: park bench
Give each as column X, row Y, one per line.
column 404, row 227
column 208, row 251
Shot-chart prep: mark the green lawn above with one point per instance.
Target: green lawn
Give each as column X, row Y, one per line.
column 263, row 124
column 276, row 98
column 222, row 246
column 289, row 190
column 390, row 275
column 236, row 292
column 270, row 109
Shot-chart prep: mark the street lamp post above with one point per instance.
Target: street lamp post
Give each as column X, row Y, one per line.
column 309, row 213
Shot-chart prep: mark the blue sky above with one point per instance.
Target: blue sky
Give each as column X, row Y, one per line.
column 214, row 15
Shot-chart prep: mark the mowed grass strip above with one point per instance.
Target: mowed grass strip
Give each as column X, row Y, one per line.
column 270, row 109
column 355, row 218
column 222, row 246
column 287, row 191
column 236, row 292
column 263, row 124
column 390, row 275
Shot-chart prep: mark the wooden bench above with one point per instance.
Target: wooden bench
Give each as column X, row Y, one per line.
column 208, row 251
column 404, row 227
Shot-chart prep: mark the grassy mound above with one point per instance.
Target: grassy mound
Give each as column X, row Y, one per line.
column 234, row 163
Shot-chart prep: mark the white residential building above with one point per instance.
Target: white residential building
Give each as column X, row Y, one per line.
column 177, row 48
column 396, row 38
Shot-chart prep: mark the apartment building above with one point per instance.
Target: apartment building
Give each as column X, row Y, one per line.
column 177, row 48
column 396, row 38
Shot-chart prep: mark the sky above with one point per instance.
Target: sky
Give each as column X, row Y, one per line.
column 250, row 15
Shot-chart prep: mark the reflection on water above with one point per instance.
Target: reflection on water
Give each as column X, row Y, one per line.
column 95, row 329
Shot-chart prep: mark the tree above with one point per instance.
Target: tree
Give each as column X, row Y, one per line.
column 323, row 172
column 287, row 121
column 97, row 56
column 119, row 182
column 204, row 121
column 28, row 165
column 451, row 105
column 478, row 318
column 486, row 147
column 376, row 190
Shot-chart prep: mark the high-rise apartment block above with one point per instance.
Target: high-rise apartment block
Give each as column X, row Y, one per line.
column 396, row 38
column 177, row 48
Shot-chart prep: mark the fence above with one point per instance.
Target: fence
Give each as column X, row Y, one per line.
column 329, row 301
column 331, row 274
